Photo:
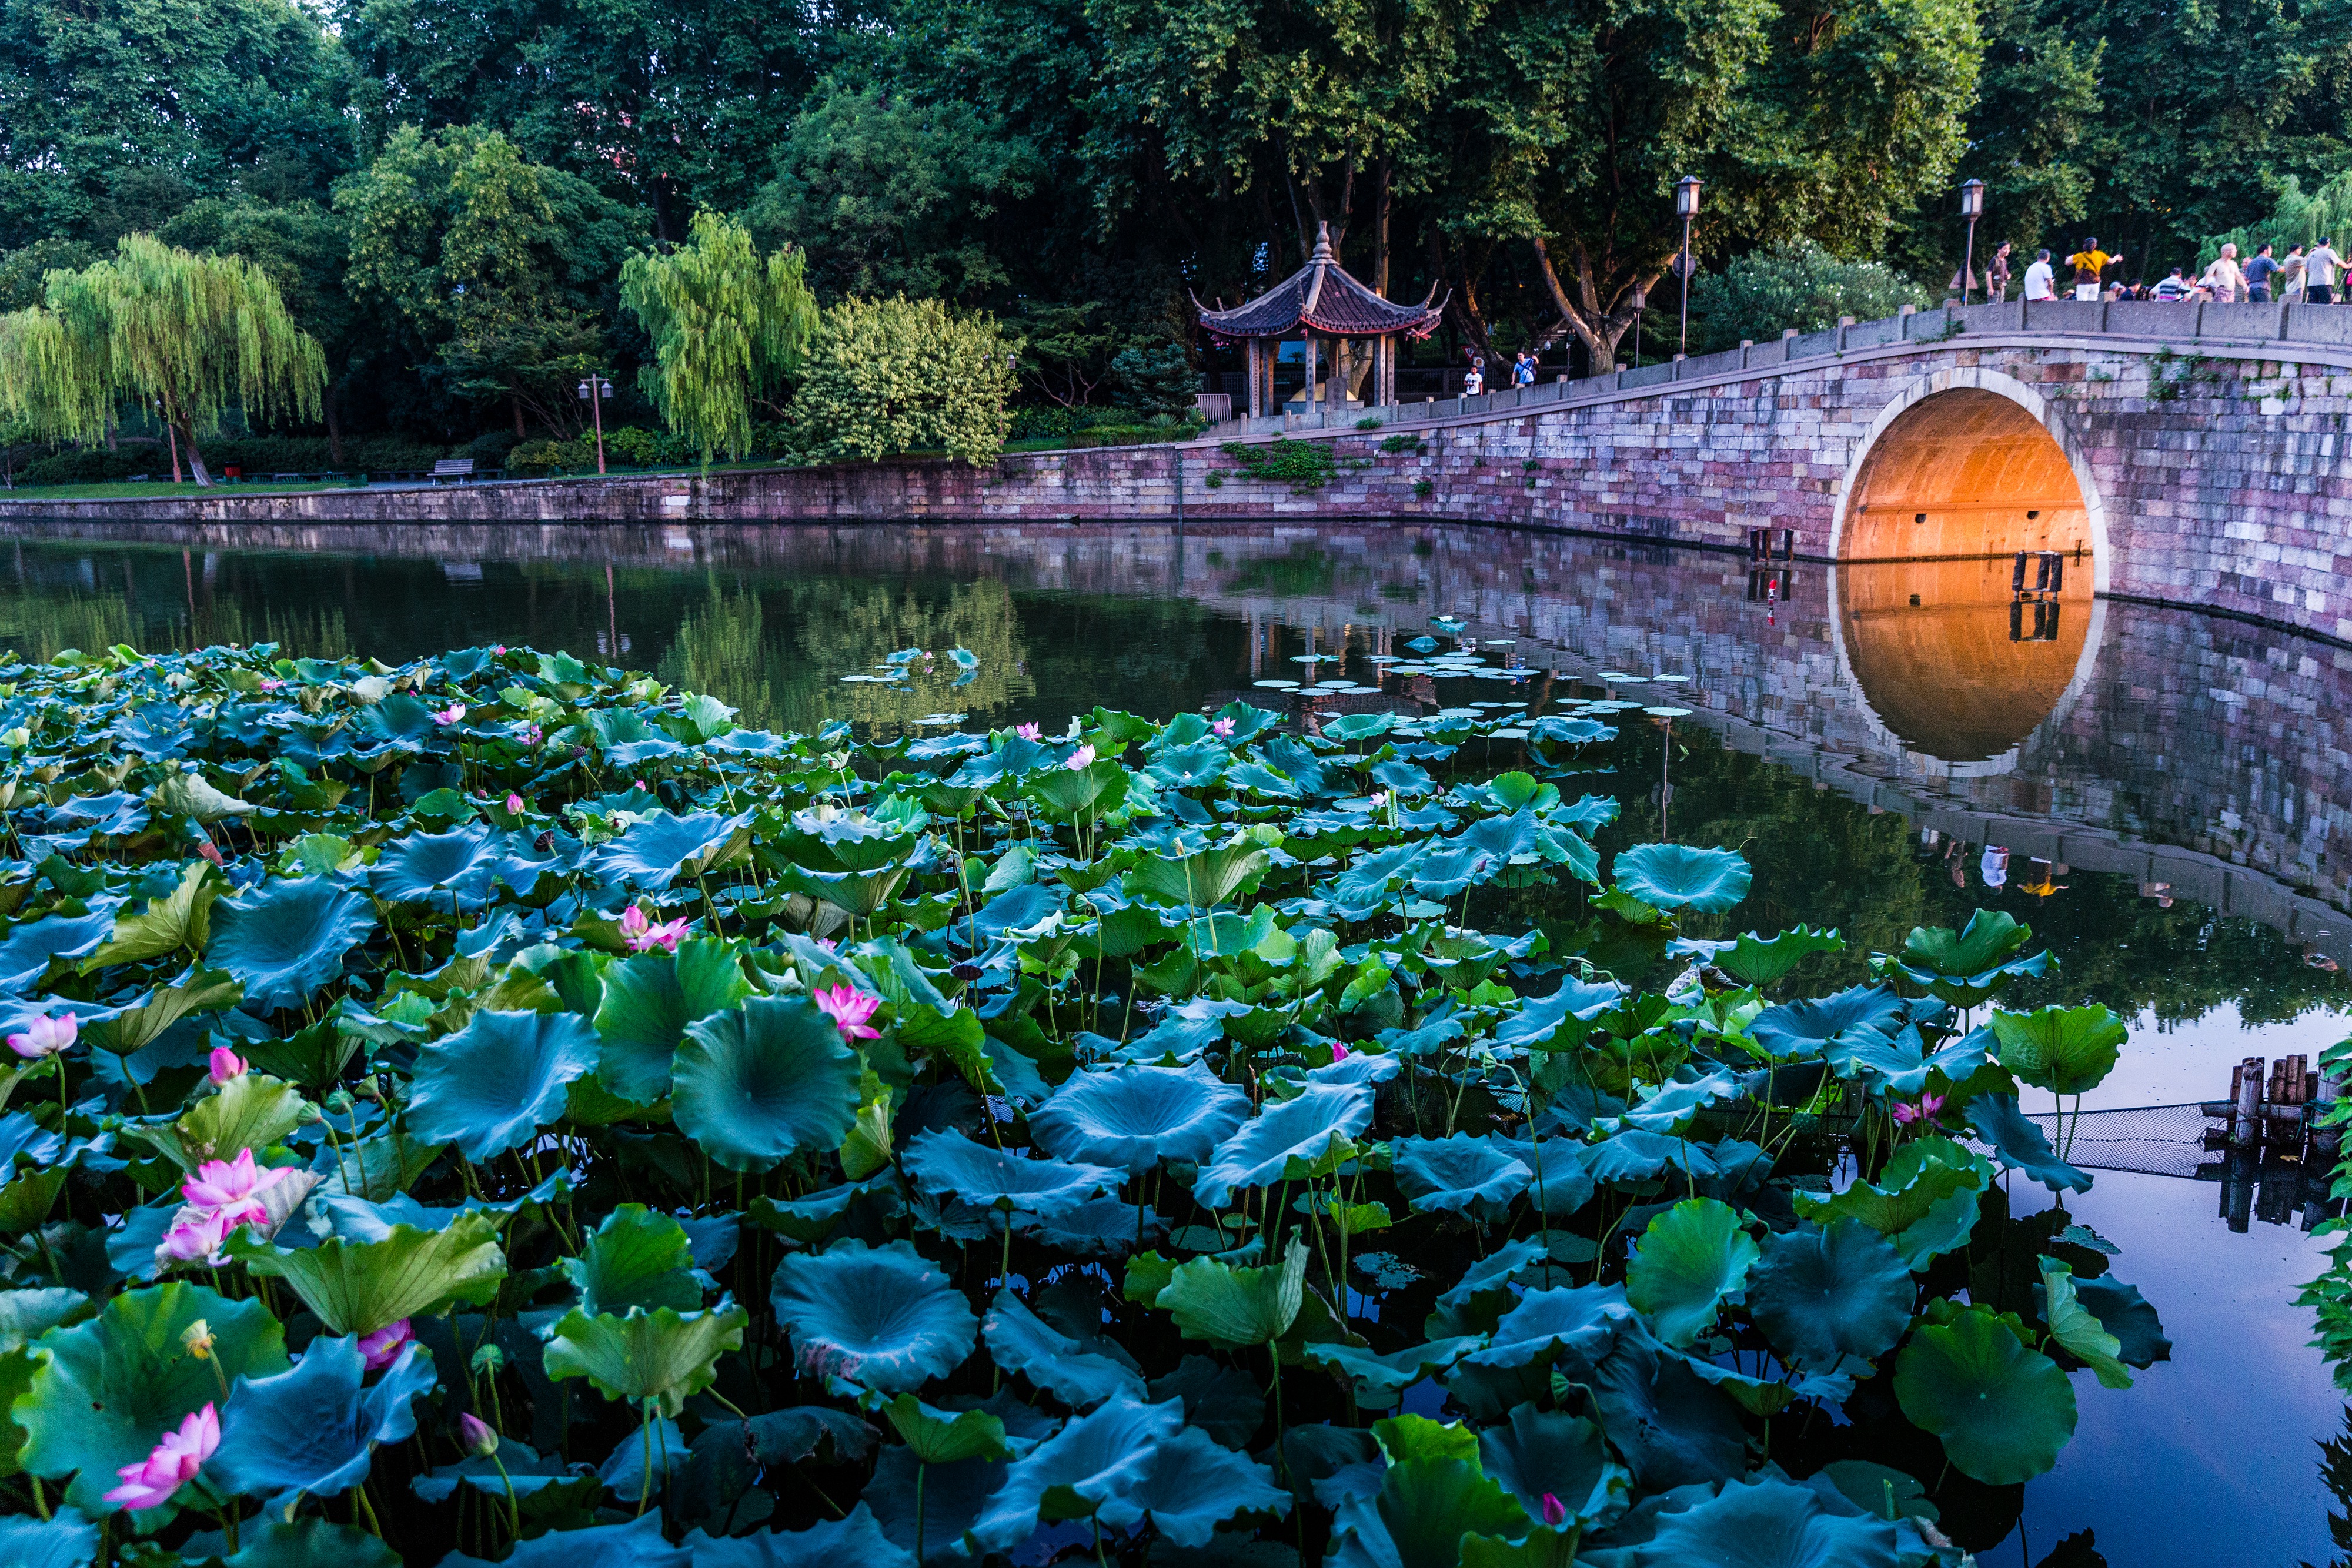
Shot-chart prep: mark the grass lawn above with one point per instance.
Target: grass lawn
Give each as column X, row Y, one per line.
column 125, row 490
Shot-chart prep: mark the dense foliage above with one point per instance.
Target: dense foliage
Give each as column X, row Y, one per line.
column 1796, row 286
column 1073, row 165
column 499, row 1105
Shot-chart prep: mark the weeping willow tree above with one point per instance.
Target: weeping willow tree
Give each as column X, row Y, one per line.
column 188, row 335
column 728, row 328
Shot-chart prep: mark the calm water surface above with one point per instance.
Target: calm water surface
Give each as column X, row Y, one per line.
column 2155, row 792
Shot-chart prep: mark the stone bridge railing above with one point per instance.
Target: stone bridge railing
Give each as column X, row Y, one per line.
column 2310, row 333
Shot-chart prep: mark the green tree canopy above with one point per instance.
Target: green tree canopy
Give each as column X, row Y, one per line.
column 1796, row 284
column 117, row 114
column 188, row 335
column 497, row 269
column 727, row 326
column 887, row 376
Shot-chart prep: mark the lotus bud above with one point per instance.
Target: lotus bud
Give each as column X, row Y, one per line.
column 474, row 1436
column 1554, row 1512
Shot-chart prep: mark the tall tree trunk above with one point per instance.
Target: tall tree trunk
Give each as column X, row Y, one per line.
column 518, row 413
column 1596, row 326
column 195, row 459
column 335, row 426
column 1381, row 203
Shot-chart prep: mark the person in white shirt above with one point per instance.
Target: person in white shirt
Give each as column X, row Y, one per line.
column 2037, row 277
column 2319, row 272
column 2223, row 276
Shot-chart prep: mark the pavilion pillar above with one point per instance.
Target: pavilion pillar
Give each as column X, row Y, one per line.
column 1314, row 386
column 1253, row 354
column 1386, row 391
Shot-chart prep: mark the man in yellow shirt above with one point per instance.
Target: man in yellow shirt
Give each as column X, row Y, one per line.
column 2090, row 263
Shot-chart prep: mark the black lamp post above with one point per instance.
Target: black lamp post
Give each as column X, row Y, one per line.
column 1971, row 208
column 594, row 392
column 1685, row 208
column 1641, row 304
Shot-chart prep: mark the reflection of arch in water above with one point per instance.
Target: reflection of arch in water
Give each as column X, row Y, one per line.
column 1954, row 477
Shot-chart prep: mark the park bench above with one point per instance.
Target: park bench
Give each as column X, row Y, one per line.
column 457, row 469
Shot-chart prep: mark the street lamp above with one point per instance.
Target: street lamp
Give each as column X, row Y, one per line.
column 1971, row 208
column 1685, row 208
column 594, row 392
column 1641, row 304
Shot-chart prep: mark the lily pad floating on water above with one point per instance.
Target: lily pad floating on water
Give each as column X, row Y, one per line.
column 1681, row 876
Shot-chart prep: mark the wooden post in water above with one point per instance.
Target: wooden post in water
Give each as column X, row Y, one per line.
column 2246, row 1130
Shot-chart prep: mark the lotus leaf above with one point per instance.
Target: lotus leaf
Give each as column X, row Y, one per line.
column 1804, row 1029
column 1202, row 879
column 1753, row 960
column 2123, row 1312
column 251, row 1111
column 1223, row 1401
column 828, row 1543
column 24, row 956
column 1215, row 1300
column 287, row 939
column 500, row 1080
column 1195, row 1485
column 1021, row 1342
column 1136, row 1116
column 662, row 847
column 1451, row 1175
column 637, row 1545
column 1924, row 1200
column 881, row 1316
column 1538, row 1023
column 357, row 1287
column 662, row 1355
column 1967, row 968
column 947, row 1438
column 110, row 1386
column 1585, row 1321
column 1901, row 1065
column 1672, row 1426
column 948, row 1162
column 1092, row 1468
column 2004, row 1411
column 313, row 1429
column 1424, row 1511
column 1303, row 1130
column 646, row 1004
column 310, row 1544
column 179, row 921
column 758, row 1083
column 67, row 1540
column 635, row 1258
column 1823, row 1294
column 1690, row 1258
column 1378, row 1381
column 1683, row 876
column 2067, row 1051
column 2021, row 1144
column 1549, row 1452
column 455, row 872
column 2073, row 1326
column 1769, row 1523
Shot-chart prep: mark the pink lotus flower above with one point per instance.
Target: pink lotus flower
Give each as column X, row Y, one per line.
column 827, row 943
column 198, row 1238
column 531, row 735
column 382, row 1348
column 270, row 684
column 1923, row 1111
column 499, row 650
column 449, row 714
column 45, row 1036
column 639, row 934
column 225, row 1184
column 1224, row 726
column 223, row 1065
column 1081, row 759
column 174, row 1463
column 637, row 784
column 1029, row 731
column 1338, row 1052
column 514, row 805
column 475, row 1436
column 1379, row 800
column 849, row 1009
column 1555, row 1513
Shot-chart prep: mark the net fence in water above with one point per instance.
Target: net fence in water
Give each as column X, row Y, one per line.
column 2160, row 1140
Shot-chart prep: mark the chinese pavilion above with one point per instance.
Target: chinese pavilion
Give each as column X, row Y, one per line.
column 1321, row 301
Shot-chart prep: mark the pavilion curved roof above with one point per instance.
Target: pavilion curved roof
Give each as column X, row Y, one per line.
column 1323, row 298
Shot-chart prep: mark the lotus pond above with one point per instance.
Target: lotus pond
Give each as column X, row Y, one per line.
column 498, row 1105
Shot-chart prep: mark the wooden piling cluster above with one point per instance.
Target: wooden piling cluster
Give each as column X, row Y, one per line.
column 2274, row 1126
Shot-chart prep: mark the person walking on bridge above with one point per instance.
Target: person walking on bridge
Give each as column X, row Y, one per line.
column 2258, row 271
column 2090, row 265
column 2320, row 269
column 1997, row 274
column 2040, row 277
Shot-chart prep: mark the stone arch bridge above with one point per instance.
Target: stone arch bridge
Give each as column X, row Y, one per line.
column 2179, row 455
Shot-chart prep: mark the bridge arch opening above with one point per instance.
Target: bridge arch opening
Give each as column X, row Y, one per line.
column 1953, row 653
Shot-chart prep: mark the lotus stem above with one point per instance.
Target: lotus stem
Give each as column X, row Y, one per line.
column 921, row 1470
column 645, row 1429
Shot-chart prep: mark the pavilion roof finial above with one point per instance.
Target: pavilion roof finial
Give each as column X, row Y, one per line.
column 1324, row 255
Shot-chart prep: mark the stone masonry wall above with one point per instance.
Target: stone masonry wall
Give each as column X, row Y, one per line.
column 2222, row 479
